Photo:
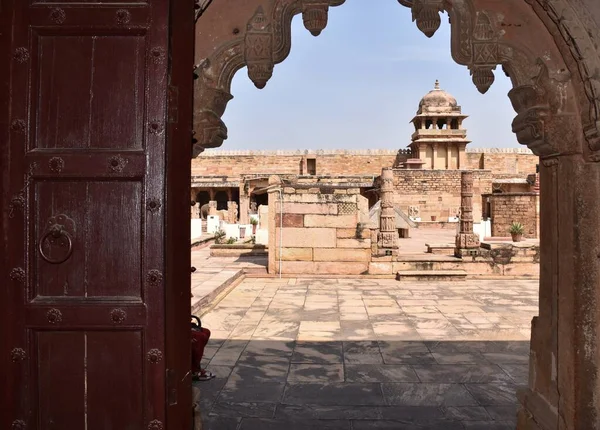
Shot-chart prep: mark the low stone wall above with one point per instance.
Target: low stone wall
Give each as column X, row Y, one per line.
column 497, row 259
column 506, row 208
column 423, row 193
column 238, row 250
column 319, row 230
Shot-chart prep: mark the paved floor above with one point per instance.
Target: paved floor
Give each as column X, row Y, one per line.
column 361, row 354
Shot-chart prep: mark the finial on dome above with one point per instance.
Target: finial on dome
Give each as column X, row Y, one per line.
column 437, row 84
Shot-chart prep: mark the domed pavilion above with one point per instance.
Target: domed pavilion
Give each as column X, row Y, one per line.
column 439, row 140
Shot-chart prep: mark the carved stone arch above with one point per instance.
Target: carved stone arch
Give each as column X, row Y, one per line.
column 574, row 35
column 478, row 41
column 265, row 41
column 485, row 35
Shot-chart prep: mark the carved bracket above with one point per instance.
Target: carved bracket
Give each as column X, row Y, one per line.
column 542, row 121
column 266, row 42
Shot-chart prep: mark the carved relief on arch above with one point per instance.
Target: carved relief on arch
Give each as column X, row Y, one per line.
column 574, row 34
column 545, row 121
column 265, row 42
column 476, row 39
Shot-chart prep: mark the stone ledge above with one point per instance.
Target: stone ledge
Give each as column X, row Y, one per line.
column 236, row 250
column 431, row 275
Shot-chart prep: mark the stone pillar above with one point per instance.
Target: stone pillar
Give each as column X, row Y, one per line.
column 273, row 229
column 388, row 234
column 434, row 156
column 462, row 156
column 467, row 242
column 244, row 209
column 229, row 194
column 232, row 212
column 195, row 210
column 211, row 193
column 212, row 207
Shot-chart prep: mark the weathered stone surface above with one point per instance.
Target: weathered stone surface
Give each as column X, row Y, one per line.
column 296, row 254
column 339, row 221
column 341, row 268
column 346, row 233
column 322, row 254
column 290, row 220
column 354, row 243
column 382, row 268
column 310, row 208
column 308, row 237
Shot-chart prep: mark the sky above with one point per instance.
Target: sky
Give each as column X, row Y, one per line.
column 358, row 85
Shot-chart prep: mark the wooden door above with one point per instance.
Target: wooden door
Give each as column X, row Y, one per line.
column 95, row 147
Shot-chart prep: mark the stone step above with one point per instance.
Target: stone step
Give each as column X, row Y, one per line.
column 431, row 275
column 440, row 248
column 428, row 265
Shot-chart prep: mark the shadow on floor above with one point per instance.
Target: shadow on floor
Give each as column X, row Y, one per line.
column 360, row 385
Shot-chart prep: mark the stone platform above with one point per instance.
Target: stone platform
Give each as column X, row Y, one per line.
column 361, row 354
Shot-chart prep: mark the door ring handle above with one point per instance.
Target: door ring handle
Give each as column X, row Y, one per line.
column 56, row 231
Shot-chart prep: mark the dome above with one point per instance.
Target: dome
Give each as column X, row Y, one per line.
column 438, row 101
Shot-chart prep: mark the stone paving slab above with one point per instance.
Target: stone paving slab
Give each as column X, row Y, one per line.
column 367, row 354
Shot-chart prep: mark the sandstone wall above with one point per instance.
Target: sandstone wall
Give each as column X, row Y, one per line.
column 236, row 163
column 319, row 234
column 437, row 192
column 506, row 208
column 502, row 162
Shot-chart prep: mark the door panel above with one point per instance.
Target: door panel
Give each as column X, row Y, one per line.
column 93, row 277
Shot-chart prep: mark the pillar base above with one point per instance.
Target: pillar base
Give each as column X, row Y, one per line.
column 466, row 252
column 467, row 244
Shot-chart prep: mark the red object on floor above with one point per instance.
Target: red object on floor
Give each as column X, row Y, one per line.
column 200, row 338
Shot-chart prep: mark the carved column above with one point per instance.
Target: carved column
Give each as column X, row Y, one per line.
column 212, row 207
column 274, row 234
column 232, row 212
column 466, row 241
column 388, row 234
column 244, row 203
column 195, row 211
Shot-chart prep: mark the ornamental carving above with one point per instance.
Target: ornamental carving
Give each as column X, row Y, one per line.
column 542, row 116
column 209, row 130
column 18, row 125
column 17, row 274
column 56, row 164
column 154, row 278
column 577, row 34
column 21, row 55
column 315, row 15
column 155, row 425
column 154, row 356
column 18, row 425
column 123, row 16
column 17, row 203
column 118, row 316
column 157, row 55
column 156, row 127
column 17, row 354
column 54, row 316
column 267, row 41
column 153, row 205
column 58, row 15
column 258, row 49
column 116, row 164
column 426, row 14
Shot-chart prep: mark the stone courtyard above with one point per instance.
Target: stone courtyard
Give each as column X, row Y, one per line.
column 356, row 354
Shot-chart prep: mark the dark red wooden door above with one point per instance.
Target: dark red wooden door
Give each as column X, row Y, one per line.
column 94, row 291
